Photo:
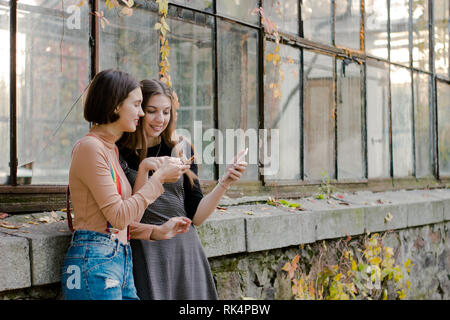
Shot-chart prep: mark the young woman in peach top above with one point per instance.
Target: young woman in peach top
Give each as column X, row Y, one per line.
column 107, row 211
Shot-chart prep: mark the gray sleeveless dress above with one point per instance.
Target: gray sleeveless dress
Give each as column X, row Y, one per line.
column 174, row 269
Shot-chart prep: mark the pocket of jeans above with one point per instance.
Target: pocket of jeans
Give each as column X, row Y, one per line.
column 76, row 251
column 101, row 251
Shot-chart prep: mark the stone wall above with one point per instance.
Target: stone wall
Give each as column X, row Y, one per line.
column 249, row 242
column 259, row 275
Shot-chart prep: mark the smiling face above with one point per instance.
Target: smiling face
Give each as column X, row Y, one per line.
column 157, row 115
column 130, row 111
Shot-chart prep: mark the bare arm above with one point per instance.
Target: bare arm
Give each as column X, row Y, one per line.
column 209, row 203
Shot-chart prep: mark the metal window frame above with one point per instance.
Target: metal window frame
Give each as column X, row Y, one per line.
column 297, row 41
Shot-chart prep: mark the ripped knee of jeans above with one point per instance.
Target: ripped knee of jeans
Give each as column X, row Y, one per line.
column 111, row 283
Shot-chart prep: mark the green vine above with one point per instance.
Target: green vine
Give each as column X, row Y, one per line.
column 369, row 273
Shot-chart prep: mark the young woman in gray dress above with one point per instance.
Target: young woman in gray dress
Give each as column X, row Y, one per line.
column 177, row 268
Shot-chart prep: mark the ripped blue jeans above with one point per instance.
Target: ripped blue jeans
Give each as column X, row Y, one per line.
column 97, row 267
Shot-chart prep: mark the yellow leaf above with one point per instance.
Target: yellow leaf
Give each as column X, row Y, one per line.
column 375, row 260
column 287, row 267
column 277, row 48
column 164, row 23
column 407, row 263
column 269, row 57
column 277, row 93
column 354, row 265
column 276, row 58
column 157, row 26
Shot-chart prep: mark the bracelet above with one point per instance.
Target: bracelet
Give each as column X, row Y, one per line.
column 220, row 182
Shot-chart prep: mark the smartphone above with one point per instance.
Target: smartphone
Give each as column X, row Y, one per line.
column 242, row 157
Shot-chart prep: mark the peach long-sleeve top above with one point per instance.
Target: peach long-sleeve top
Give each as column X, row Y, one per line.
column 94, row 194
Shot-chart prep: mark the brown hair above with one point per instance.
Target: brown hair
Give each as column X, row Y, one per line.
column 137, row 140
column 107, row 90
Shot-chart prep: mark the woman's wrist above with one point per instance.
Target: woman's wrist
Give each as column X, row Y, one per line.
column 155, row 233
column 157, row 176
column 223, row 184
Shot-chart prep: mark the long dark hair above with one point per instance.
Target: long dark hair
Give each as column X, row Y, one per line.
column 138, row 141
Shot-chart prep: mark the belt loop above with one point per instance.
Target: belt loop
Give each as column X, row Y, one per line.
column 71, row 238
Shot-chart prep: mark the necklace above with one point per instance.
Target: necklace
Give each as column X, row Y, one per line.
column 159, row 149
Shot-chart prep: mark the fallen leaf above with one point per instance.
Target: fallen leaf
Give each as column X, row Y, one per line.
column 221, row 208
column 388, row 217
column 3, row 215
column 380, row 201
column 45, row 219
column 7, row 225
column 348, row 238
column 249, row 213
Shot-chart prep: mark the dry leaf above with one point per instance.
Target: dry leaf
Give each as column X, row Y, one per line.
column 3, row 215
column 388, row 217
column 7, row 225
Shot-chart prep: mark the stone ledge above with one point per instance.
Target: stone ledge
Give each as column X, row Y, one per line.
column 33, row 255
column 14, row 263
column 46, row 244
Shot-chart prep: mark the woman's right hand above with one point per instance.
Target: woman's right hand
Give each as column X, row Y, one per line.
column 171, row 169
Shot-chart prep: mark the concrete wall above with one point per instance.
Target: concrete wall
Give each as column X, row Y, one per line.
column 248, row 243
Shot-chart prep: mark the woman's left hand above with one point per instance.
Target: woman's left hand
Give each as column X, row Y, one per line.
column 171, row 228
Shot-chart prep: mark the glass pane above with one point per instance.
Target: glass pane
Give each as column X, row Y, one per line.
column 283, row 13
column 349, row 126
column 238, row 94
column 52, row 74
column 204, row 5
column 441, row 36
column 348, row 23
column 318, row 117
column 399, row 31
column 376, row 28
column 130, row 44
column 422, row 125
column 420, row 34
column 191, row 70
column 282, row 110
column 317, row 20
column 239, row 9
column 377, row 115
column 4, row 92
column 401, row 121
column 443, row 91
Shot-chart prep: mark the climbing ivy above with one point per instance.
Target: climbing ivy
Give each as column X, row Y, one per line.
column 366, row 272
